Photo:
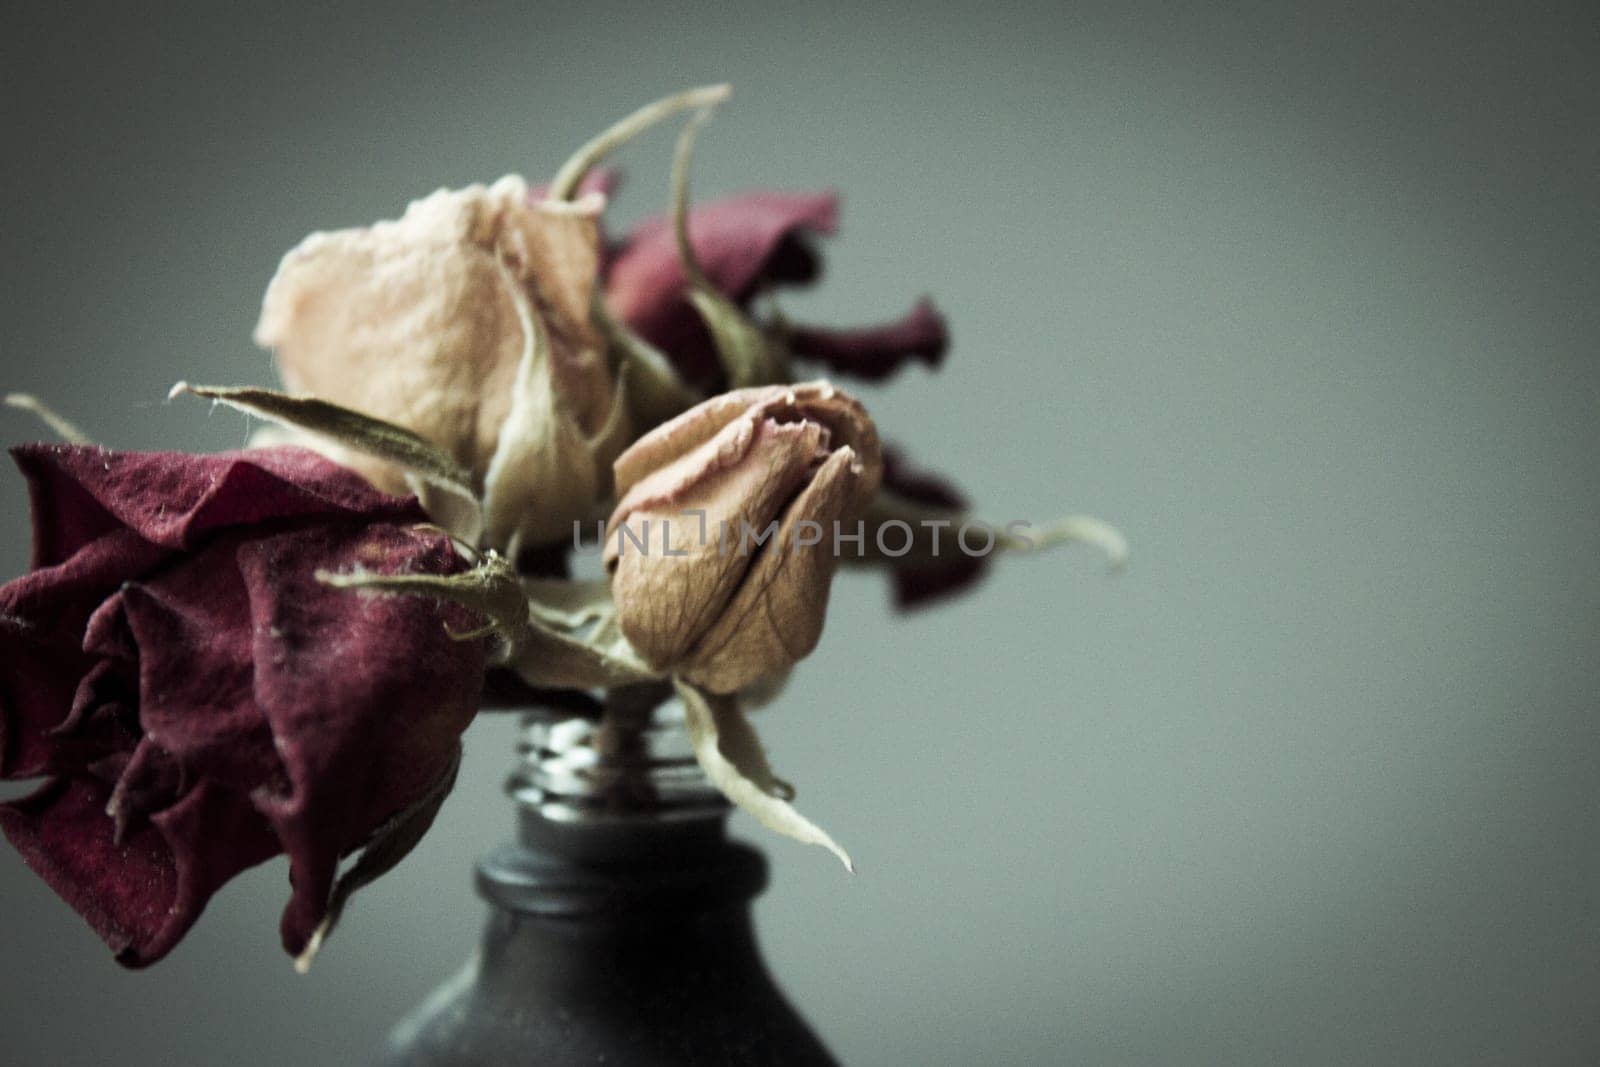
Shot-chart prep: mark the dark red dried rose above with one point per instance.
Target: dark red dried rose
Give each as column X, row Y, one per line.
column 197, row 701
column 954, row 571
column 747, row 244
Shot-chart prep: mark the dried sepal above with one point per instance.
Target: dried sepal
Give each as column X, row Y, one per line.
column 543, row 655
column 655, row 392
column 58, row 424
column 543, row 464
column 567, row 604
column 388, row 845
column 730, row 753
column 614, row 434
column 457, row 513
column 747, row 357
column 1072, row 530
column 348, row 429
column 929, row 534
column 567, row 180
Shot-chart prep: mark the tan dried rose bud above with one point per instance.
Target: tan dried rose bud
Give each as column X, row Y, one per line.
column 722, row 547
column 466, row 321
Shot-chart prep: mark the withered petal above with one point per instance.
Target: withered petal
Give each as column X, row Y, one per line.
column 173, row 499
column 365, row 696
column 919, row 587
column 37, row 686
column 143, row 894
column 875, row 352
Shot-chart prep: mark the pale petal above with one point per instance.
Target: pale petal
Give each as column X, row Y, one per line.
column 542, row 474
column 406, row 320
column 775, row 618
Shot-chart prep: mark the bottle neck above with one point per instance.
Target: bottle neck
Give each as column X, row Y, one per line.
column 616, row 819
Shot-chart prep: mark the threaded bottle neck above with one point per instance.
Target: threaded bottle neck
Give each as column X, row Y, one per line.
column 632, row 764
column 614, row 810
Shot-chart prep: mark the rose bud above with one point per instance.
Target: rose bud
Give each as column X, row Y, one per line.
column 736, row 594
column 747, row 245
column 466, row 321
column 196, row 701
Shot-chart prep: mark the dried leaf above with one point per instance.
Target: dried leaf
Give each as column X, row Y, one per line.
column 655, row 392
column 350, row 429
column 730, row 753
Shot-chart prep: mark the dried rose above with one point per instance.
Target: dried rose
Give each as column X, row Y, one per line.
column 722, row 546
column 198, row 701
column 746, row 245
column 466, row 321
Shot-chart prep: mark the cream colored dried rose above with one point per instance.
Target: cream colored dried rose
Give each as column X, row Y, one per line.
column 466, row 321
column 723, row 545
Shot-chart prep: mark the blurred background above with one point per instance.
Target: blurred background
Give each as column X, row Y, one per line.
column 1303, row 297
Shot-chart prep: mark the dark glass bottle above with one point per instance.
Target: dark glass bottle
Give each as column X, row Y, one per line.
column 619, row 925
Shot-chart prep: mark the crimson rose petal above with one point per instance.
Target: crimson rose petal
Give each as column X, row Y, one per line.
column 875, row 352
column 172, row 499
column 140, row 894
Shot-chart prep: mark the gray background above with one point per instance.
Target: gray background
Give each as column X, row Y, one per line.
column 1305, row 301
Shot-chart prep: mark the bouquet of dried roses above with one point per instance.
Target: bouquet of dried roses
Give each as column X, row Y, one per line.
column 215, row 659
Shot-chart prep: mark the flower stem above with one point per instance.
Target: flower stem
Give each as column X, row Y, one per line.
column 565, row 184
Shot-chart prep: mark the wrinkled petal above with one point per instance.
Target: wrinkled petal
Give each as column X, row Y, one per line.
column 411, row 321
column 192, row 627
column 847, row 422
column 143, row 894
column 743, row 243
column 875, row 352
column 173, row 499
column 776, row 617
column 37, row 688
column 57, row 601
column 365, row 696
